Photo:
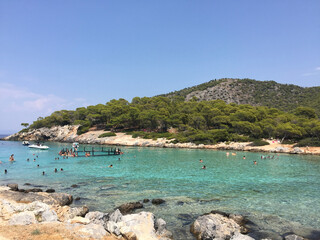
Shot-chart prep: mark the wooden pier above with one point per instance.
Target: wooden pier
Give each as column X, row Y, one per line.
column 90, row 152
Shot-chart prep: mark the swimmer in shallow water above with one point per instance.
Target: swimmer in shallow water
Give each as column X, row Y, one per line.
column 110, row 166
column 11, row 159
column 43, row 173
column 55, row 170
column 200, row 160
column 5, row 171
column 61, row 169
column 255, row 162
column 204, row 167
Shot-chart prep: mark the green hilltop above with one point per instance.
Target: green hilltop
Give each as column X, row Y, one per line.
column 285, row 97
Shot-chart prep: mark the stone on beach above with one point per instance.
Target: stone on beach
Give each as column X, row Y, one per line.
column 215, row 225
column 98, row 217
column 49, row 216
column 79, row 220
column 143, row 226
column 13, row 186
column 51, row 199
column 23, row 218
column 92, row 230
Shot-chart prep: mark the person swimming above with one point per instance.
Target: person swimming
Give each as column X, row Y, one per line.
column 28, row 159
column 61, row 169
column 244, row 157
column 255, row 162
column 43, row 173
column 5, row 171
column 55, row 170
column 11, row 159
column 38, row 165
column 110, row 166
column 200, row 160
column 204, row 167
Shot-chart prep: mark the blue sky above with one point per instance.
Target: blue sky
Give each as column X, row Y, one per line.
column 65, row 54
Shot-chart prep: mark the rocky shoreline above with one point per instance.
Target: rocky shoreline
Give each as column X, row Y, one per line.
column 21, row 207
column 69, row 134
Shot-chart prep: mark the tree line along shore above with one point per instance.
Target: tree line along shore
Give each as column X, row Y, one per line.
column 198, row 122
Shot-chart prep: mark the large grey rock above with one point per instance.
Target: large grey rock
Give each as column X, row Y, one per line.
column 112, row 227
column 49, row 216
column 141, row 226
column 23, row 218
column 239, row 236
column 92, row 230
column 62, row 198
column 160, row 226
column 78, row 211
column 293, row 237
column 98, row 218
column 213, row 226
column 116, row 216
column 297, row 150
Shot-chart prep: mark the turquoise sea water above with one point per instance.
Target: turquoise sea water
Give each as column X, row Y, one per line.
column 280, row 194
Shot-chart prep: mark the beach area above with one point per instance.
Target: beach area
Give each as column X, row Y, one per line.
column 69, row 134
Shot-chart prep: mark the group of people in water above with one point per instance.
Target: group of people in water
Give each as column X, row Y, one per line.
column 69, row 153
column 255, row 162
column 11, row 159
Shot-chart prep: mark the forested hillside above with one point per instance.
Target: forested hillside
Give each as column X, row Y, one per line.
column 257, row 93
column 205, row 122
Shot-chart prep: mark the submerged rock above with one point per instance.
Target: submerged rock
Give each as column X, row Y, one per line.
column 129, row 207
column 33, row 190
column 157, row 201
column 50, row 190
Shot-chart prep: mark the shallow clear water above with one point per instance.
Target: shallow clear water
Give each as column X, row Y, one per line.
column 280, row 194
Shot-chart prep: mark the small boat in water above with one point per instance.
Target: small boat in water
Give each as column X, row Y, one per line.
column 75, row 145
column 25, row 143
column 39, row 146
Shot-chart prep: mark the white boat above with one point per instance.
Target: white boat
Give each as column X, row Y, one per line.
column 25, row 143
column 75, row 145
column 39, row 146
